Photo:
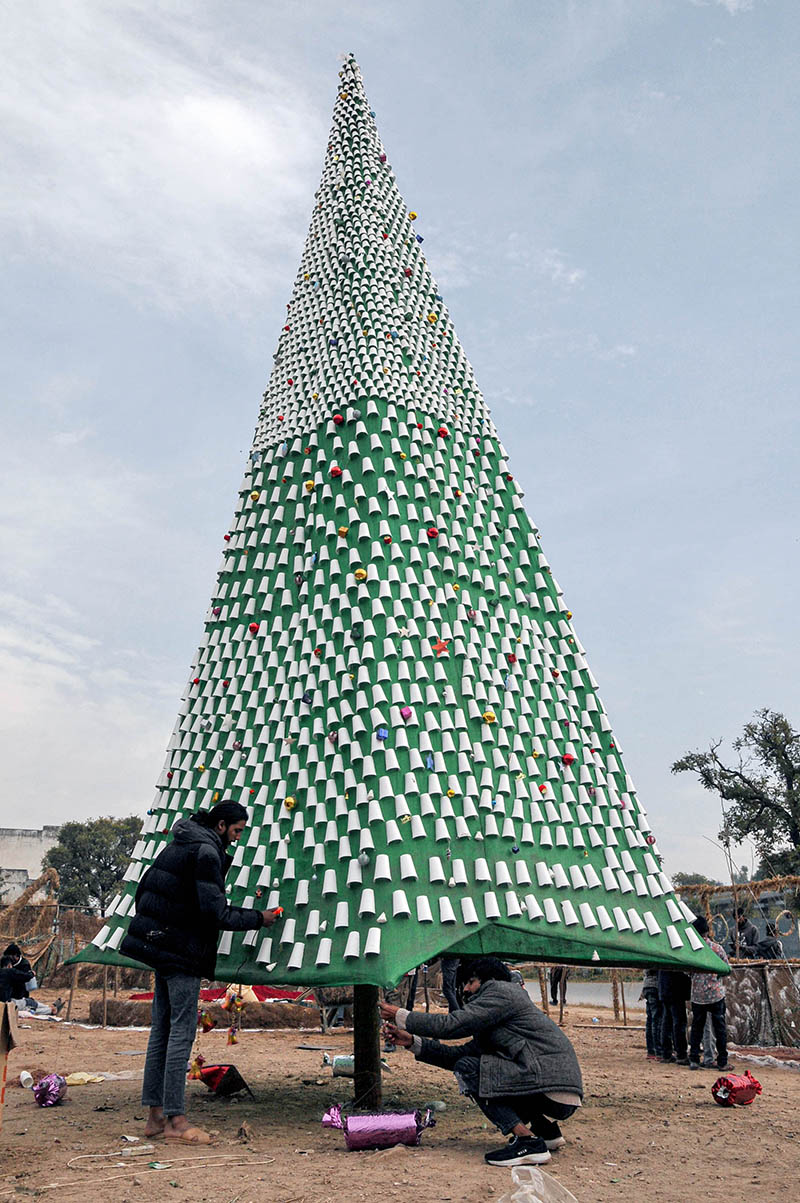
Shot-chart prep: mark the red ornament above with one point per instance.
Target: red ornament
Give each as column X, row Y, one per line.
column 568, row 758
column 651, row 839
column 542, row 789
column 225, row 684
column 287, row 327
column 195, row 681
column 407, row 271
column 554, row 672
column 169, row 775
column 512, row 659
column 443, row 432
column 336, row 471
column 280, row 417
column 509, row 476
column 387, row 538
column 253, row 628
column 227, row 538
column 338, row 419
column 217, row 611
column 290, row 381
column 433, row 532
column 317, row 651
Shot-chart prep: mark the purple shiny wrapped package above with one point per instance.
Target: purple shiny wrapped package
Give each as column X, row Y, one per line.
column 379, row 1131
column 50, row 1090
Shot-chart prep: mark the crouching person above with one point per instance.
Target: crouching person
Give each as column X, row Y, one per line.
column 518, row 1066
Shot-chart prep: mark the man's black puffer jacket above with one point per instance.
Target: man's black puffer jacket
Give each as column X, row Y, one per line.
column 181, row 905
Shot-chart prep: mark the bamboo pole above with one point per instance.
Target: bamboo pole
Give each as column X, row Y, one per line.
column 367, row 1048
column 543, row 990
column 116, row 980
column 622, row 996
column 615, row 993
column 105, row 995
column 72, row 988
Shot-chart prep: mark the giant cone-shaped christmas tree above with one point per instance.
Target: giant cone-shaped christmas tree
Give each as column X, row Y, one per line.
column 389, row 678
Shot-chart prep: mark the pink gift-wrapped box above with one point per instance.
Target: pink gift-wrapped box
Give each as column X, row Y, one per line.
column 379, row 1131
column 405, row 712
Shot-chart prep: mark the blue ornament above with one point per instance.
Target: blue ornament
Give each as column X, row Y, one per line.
column 383, row 733
column 429, row 761
column 307, row 698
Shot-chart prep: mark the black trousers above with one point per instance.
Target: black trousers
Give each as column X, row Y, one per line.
column 506, row 1111
column 673, row 1028
column 719, row 1024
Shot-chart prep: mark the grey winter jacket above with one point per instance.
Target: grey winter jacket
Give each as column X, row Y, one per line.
column 521, row 1051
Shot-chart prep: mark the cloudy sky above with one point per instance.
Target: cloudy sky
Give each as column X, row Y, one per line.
column 608, row 191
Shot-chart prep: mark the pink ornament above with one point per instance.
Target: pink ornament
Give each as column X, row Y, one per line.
column 405, row 712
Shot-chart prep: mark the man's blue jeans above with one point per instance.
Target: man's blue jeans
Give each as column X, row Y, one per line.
column 174, row 1024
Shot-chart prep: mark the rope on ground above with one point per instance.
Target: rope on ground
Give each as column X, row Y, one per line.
column 230, row 1161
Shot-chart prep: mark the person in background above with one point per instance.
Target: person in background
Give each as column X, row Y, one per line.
column 708, row 999
column 518, row 1065
column 673, row 990
column 181, row 908
column 748, row 936
column 558, row 983
column 770, row 948
column 654, row 1021
column 13, row 980
column 449, row 973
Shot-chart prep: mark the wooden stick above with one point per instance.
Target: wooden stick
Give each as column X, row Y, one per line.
column 615, row 993
column 543, row 990
column 105, row 995
column 72, row 990
column 367, row 1048
column 622, row 995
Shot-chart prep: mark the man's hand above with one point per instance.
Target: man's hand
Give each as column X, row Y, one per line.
column 395, row 1036
column 270, row 917
column 387, row 1011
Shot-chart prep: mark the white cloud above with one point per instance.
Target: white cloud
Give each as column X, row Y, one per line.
column 139, row 149
column 554, row 266
column 69, row 438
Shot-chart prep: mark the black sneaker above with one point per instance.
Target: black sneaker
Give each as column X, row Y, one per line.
column 548, row 1131
column 520, row 1150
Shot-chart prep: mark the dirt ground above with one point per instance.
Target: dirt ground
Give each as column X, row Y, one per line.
column 648, row 1132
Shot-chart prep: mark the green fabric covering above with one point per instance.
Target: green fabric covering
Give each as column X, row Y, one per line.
column 389, row 677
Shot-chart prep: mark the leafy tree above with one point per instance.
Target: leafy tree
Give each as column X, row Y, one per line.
column 692, row 879
column 760, row 792
column 91, row 858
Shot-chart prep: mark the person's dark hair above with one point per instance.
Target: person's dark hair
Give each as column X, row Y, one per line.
column 223, row 812
column 700, row 925
column 13, row 950
column 485, row 969
column 6, row 962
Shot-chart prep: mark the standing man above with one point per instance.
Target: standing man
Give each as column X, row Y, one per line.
column 518, row 1066
column 674, row 989
column 708, row 1000
column 748, row 936
column 181, row 908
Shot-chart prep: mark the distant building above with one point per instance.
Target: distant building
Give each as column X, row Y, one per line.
column 21, row 852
